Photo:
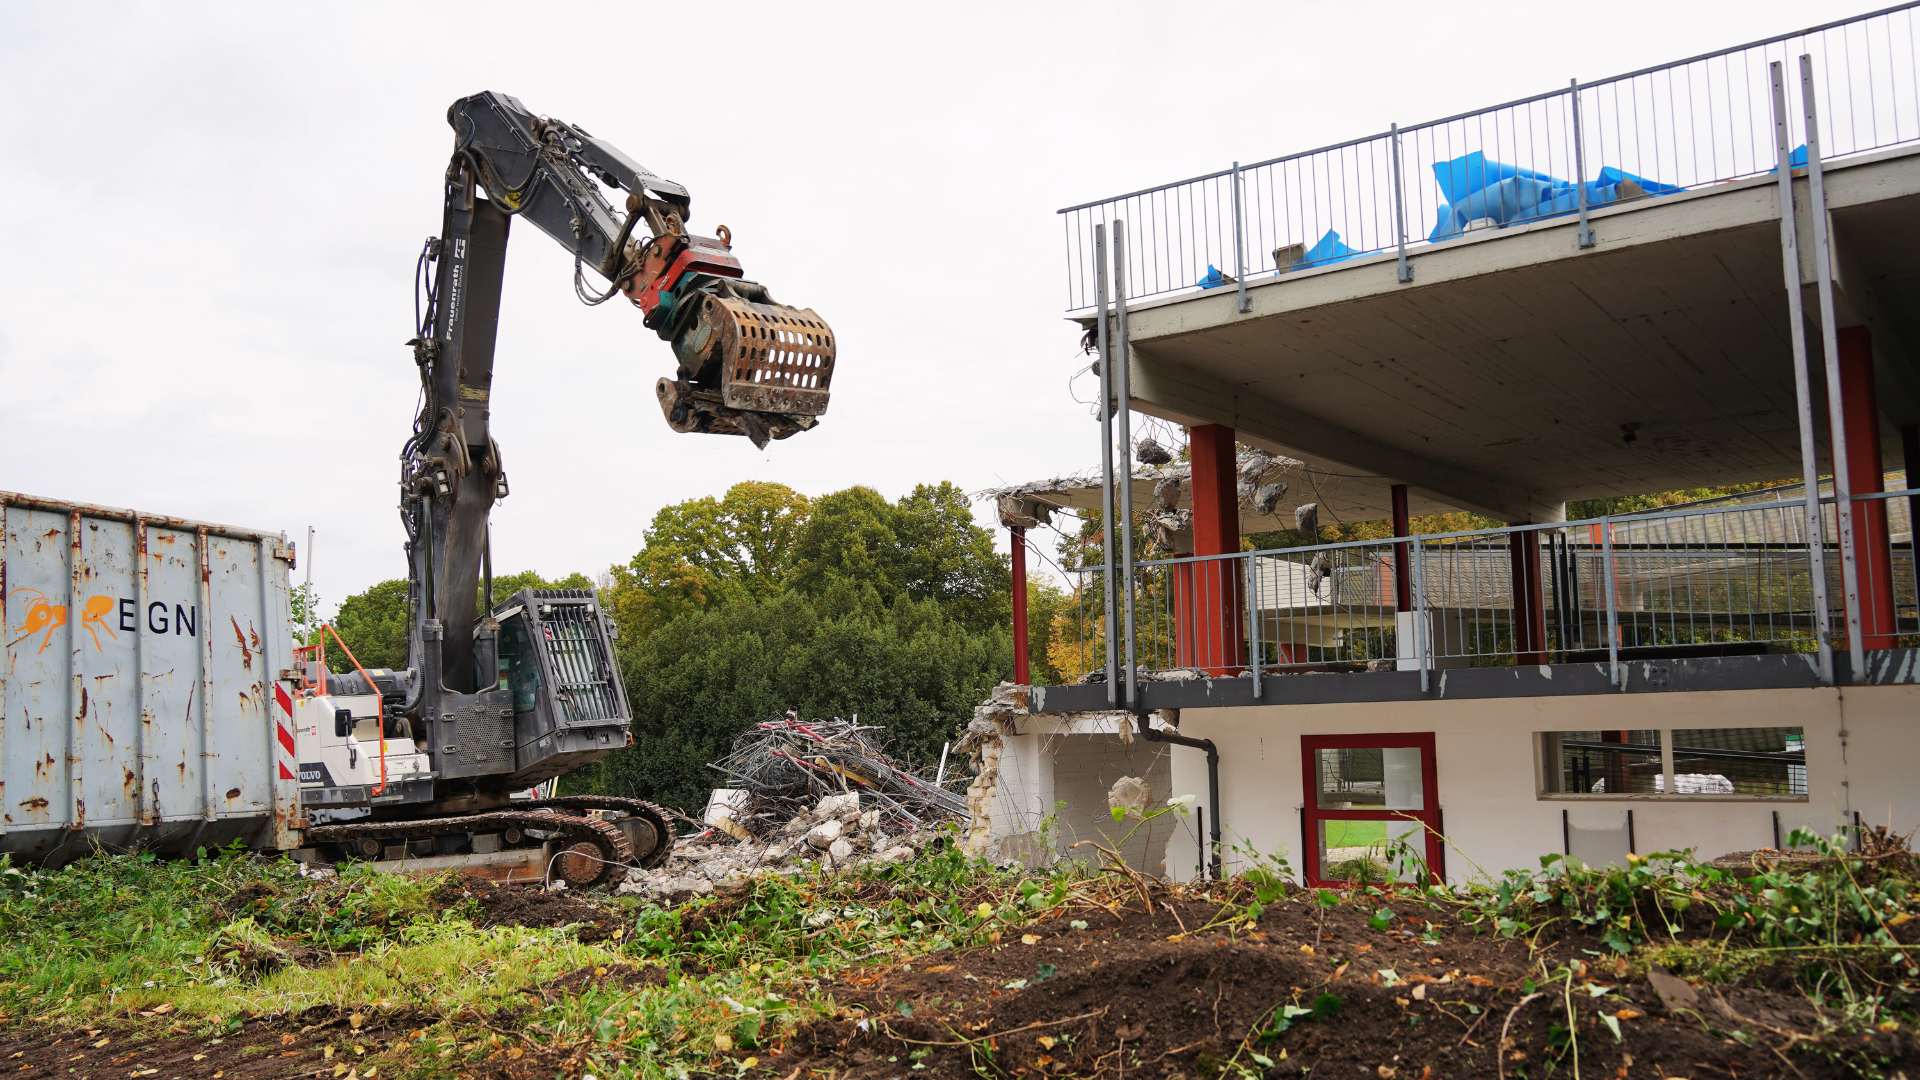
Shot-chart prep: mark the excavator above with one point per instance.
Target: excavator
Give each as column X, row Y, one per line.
column 496, row 699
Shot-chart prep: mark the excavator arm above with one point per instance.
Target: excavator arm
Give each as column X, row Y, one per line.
column 744, row 366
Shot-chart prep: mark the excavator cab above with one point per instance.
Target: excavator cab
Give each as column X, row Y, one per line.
column 556, row 656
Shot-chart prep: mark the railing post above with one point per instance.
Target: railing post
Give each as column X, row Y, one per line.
column 1252, row 600
column 1399, row 207
column 1802, row 391
column 1422, row 645
column 1613, row 605
column 1239, row 246
column 1105, row 348
column 1584, row 237
column 1123, row 394
column 1830, row 348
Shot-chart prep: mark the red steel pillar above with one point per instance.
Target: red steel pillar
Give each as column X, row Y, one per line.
column 1402, row 554
column 1529, row 600
column 1207, row 595
column 1860, row 413
column 1021, row 674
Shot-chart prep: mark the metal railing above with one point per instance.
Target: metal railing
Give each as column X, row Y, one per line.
column 1565, row 152
column 1727, row 578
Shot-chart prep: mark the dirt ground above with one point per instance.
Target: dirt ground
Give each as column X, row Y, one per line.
column 525, row 905
column 310, row 1044
column 1133, row 994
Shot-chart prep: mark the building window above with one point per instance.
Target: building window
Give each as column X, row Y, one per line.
column 1602, row 762
column 1754, row 763
column 1740, row 761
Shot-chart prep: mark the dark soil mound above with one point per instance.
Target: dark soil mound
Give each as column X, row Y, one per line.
column 1166, row 994
column 530, row 905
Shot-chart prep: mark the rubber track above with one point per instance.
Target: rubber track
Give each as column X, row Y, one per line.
column 609, row 837
column 655, row 815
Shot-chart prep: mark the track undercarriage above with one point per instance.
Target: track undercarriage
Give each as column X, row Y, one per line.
column 595, row 838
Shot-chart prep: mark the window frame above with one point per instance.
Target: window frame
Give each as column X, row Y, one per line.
column 1540, row 778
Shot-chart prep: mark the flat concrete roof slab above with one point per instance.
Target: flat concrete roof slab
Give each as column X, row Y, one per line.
column 1517, row 371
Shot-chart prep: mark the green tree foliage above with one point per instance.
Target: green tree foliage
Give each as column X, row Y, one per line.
column 303, row 609
column 374, row 625
column 708, row 550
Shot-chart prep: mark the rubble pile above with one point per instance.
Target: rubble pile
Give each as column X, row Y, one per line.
column 783, row 767
column 837, row 832
column 802, row 796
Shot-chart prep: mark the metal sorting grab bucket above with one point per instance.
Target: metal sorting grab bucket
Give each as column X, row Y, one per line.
column 753, row 369
column 774, row 358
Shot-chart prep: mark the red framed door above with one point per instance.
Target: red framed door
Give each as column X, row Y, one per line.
column 1369, row 801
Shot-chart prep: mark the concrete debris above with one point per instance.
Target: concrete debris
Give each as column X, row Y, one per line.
column 1023, row 511
column 1268, row 496
column 1130, row 794
column 1170, row 530
column 832, row 834
column 1166, row 492
column 1150, row 452
column 1030, row 503
column 1253, row 467
column 1320, row 568
column 1306, row 518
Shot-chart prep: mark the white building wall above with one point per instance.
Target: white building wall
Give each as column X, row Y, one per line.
column 1485, row 757
column 1054, row 779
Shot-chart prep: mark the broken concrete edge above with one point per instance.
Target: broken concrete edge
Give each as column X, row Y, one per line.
column 1260, row 473
column 984, row 742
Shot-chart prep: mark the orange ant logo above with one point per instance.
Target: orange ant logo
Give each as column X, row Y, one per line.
column 44, row 617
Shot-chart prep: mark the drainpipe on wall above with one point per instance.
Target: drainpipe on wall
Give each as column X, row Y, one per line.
column 1151, row 734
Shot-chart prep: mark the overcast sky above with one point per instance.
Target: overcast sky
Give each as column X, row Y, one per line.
column 211, row 214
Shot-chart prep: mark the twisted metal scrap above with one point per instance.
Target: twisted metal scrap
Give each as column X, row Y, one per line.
column 786, row 766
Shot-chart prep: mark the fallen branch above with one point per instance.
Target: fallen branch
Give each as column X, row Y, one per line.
column 1500, row 1048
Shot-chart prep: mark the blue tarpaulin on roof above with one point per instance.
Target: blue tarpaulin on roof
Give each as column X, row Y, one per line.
column 1330, row 249
column 1477, row 189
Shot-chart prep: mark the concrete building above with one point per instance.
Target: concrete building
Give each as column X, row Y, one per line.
column 1710, row 676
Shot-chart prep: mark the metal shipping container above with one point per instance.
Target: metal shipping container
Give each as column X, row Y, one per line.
column 141, row 698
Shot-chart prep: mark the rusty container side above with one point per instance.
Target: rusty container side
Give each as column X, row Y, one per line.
column 142, row 683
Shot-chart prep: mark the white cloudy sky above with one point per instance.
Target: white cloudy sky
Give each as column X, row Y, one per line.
column 211, row 213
